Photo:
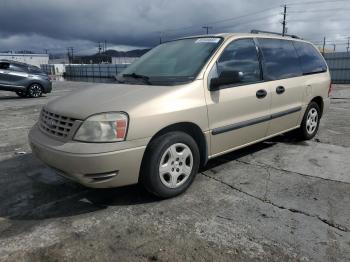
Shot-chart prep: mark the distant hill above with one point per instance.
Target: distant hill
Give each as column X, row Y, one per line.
column 131, row 53
column 106, row 56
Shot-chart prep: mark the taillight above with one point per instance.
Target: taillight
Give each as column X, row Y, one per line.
column 329, row 89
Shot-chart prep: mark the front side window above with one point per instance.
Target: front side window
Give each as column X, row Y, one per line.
column 172, row 62
column 310, row 59
column 280, row 59
column 240, row 59
column 237, row 65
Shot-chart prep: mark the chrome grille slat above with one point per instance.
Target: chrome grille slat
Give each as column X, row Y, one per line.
column 55, row 124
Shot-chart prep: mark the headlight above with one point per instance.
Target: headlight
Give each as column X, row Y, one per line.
column 105, row 127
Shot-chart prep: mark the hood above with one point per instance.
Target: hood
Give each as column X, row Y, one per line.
column 105, row 98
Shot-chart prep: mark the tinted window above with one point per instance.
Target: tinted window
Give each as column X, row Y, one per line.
column 280, row 59
column 240, row 57
column 34, row 69
column 17, row 68
column 311, row 60
column 4, row 65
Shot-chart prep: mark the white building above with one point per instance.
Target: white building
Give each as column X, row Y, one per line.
column 32, row 59
column 123, row 60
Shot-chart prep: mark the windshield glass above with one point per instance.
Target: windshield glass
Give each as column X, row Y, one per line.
column 172, row 62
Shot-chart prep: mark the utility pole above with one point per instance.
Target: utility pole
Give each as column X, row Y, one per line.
column 334, row 45
column 347, row 48
column 99, row 48
column 105, row 45
column 324, row 45
column 207, row 28
column 160, row 37
column 284, row 23
column 72, row 50
column 68, row 54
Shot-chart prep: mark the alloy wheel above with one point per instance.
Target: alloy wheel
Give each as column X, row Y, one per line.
column 35, row 90
column 311, row 121
column 176, row 165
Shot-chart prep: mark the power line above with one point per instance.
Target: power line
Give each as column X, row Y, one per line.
column 217, row 21
column 317, row 10
column 314, row 2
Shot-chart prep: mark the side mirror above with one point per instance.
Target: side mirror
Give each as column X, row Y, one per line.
column 225, row 78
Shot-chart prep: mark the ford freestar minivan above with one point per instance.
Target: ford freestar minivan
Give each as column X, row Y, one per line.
column 182, row 103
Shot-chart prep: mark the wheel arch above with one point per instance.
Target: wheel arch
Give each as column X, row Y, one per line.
column 319, row 101
column 191, row 129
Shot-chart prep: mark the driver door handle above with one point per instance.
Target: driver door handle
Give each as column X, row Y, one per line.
column 280, row 90
column 261, row 93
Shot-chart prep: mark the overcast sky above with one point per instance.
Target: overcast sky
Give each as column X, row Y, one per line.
column 126, row 24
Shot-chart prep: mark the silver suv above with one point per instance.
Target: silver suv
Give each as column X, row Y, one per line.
column 182, row 103
column 24, row 79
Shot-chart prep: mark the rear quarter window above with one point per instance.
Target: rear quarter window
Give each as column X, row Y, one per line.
column 4, row 66
column 280, row 59
column 311, row 60
column 34, row 69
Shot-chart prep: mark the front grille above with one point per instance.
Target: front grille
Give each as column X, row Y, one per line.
column 55, row 124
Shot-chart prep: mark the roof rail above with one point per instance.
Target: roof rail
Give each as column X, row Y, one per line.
column 254, row 31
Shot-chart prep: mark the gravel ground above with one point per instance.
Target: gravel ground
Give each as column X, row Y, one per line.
column 280, row 200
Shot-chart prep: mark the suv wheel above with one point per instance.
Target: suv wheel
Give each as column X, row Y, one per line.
column 311, row 121
column 34, row 90
column 21, row 93
column 170, row 165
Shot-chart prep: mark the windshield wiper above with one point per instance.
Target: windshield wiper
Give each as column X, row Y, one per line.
column 138, row 76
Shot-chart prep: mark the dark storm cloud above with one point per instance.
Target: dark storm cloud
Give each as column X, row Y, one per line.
column 40, row 24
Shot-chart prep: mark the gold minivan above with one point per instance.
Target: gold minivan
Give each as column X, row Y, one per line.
column 180, row 104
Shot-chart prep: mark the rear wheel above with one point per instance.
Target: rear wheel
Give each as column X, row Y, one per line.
column 34, row 90
column 21, row 93
column 310, row 123
column 170, row 165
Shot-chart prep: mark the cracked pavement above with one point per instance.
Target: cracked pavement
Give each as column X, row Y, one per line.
column 281, row 200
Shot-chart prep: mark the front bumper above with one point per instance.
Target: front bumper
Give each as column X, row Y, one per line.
column 93, row 169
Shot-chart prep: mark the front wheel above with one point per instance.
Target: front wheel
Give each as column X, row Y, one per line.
column 170, row 165
column 310, row 123
column 21, row 93
column 34, row 91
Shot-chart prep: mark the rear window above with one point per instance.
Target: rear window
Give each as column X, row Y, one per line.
column 311, row 60
column 34, row 69
column 280, row 59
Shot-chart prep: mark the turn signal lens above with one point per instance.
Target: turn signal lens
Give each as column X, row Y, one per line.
column 120, row 129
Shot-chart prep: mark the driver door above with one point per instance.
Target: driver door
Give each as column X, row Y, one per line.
column 239, row 112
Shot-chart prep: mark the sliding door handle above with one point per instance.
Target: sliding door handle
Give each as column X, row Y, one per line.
column 280, row 90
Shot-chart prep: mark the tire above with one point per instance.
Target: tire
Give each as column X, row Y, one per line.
column 310, row 123
column 21, row 93
column 35, row 90
column 170, row 165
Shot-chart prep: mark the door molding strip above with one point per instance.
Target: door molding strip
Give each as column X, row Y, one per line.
column 254, row 121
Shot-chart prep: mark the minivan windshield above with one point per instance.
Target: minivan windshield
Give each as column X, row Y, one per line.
column 171, row 63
